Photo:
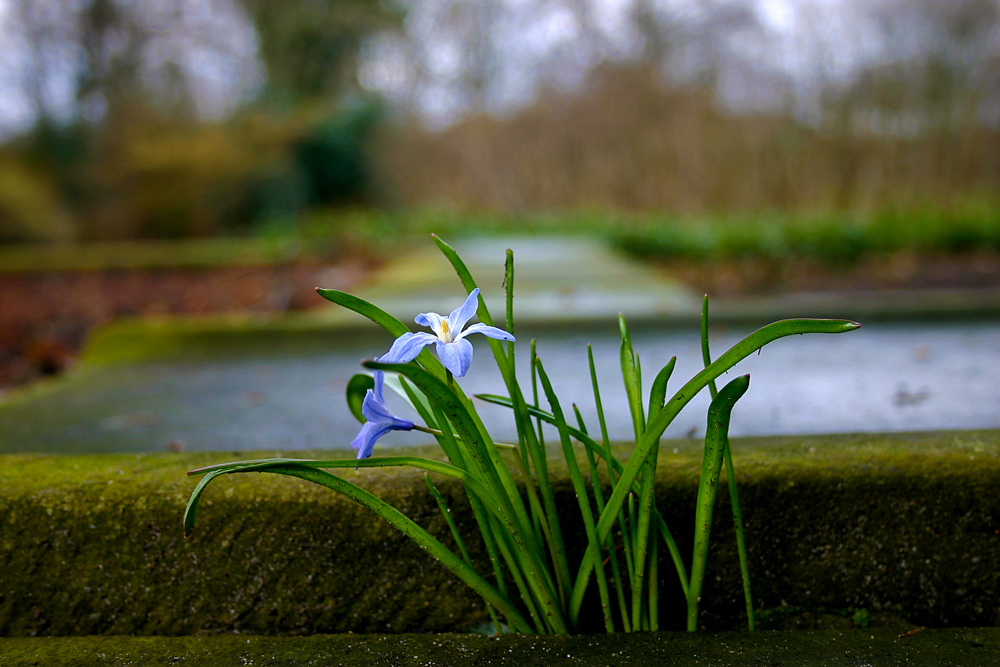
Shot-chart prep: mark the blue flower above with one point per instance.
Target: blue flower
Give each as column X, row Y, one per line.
column 454, row 351
column 380, row 419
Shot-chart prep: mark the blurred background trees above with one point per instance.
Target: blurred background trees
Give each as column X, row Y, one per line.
column 168, row 118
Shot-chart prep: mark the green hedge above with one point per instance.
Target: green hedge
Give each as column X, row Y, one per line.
column 830, row 238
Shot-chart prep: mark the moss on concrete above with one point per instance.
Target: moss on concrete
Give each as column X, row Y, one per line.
column 93, row 545
column 904, row 529
column 905, row 524
column 831, row 648
column 215, row 336
column 149, row 254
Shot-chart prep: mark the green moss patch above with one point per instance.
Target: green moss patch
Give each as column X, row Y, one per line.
column 94, row 545
column 161, row 254
column 211, row 337
column 886, row 648
column 880, row 530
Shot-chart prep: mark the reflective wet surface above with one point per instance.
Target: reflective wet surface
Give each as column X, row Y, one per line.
column 883, row 377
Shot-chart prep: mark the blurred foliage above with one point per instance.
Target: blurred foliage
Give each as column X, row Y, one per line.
column 333, row 155
column 325, row 163
column 131, row 154
column 161, row 180
column 833, row 238
column 155, row 177
column 630, row 142
column 211, row 253
column 29, row 209
column 311, row 49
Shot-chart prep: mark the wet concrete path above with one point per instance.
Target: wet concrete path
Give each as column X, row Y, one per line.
column 284, row 392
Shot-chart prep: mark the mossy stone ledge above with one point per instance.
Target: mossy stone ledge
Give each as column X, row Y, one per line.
column 824, row 648
column 894, row 530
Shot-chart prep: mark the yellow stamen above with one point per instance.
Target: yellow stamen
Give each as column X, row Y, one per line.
column 445, row 333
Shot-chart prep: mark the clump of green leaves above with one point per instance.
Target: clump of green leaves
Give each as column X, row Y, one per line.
column 532, row 584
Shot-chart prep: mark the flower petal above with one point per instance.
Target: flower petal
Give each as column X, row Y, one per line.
column 488, row 331
column 377, row 411
column 368, row 436
column 406, row 348
column 463, row 313
column 380, row 421
column 374, row 408
column 455, row 356
column 432, row 320
column 365, row 440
